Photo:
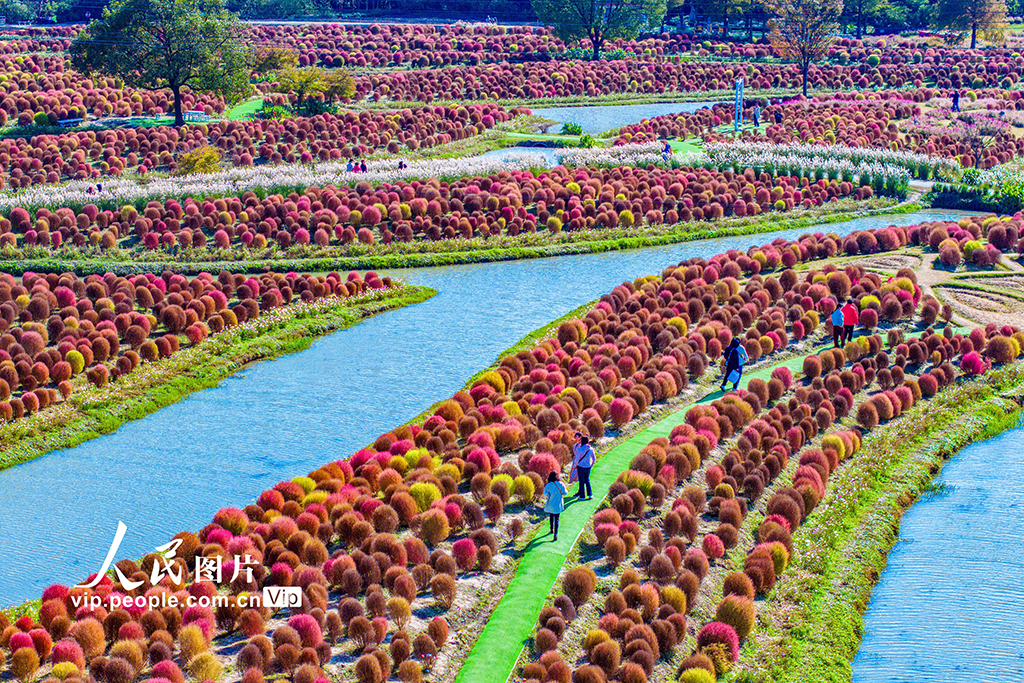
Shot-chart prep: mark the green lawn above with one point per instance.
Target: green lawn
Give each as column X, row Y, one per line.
column 242, row 111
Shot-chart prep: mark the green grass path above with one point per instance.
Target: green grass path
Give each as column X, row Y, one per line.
column 510, row 626
column 240, row 112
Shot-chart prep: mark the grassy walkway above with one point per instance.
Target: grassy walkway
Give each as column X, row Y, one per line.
column 242, row 111
column 510, row 626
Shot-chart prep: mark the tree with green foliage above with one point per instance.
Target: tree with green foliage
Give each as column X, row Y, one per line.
column 724, row 11
column 314, row 87
column 859, row 13
column 803, row 29
column 963, row 16
column 168, row 43
column 599, row 20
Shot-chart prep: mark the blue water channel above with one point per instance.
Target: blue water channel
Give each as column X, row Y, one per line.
column 279, row 419
column 602, row 118
column 949, row 603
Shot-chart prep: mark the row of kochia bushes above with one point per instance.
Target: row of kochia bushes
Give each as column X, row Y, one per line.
column 857, row 126
column 645, row 618
column 426, row 503
column 99, row 154
column 595, row 79
column 504, row 203
column 56, row 327
column 396, row 45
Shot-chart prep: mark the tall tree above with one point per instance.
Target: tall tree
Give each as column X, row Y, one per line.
column 599, row 20
column 961, row 16
column 167, row 43
column 803, row 29
column 858, row 13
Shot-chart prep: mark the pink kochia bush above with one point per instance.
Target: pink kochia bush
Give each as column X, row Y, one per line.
column 716, row 632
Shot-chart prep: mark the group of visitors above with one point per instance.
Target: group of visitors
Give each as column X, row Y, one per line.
column 756, row 114
column 844, row 319
column 359, row 167
column 583, row 459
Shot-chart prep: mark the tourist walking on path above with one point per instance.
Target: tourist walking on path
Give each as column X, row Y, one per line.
column 956, row 100
column 735, row 358
column 666, row 151
column 850, row 319
column 837, row 327
column 556, row 492
column 583, row 458
column 757, row 115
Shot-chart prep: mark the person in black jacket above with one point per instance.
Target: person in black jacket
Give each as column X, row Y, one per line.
column 733, row 362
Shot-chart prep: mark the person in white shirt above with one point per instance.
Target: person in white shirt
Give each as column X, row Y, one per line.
column 583, row 458
column 555, row 505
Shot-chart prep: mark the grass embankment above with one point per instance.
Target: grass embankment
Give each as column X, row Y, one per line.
column 463, row 251
column 90, row 411
column 810, row 627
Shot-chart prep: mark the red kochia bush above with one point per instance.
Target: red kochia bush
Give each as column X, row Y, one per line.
column 717, row 632
column 464, row 551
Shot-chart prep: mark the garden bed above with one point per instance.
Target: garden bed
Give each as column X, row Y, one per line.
column 456, row 251
column 812, row 623
column 91, row 411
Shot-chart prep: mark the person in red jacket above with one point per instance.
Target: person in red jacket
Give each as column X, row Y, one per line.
column 850, row 319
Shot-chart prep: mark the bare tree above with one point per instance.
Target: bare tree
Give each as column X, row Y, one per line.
column 803, row 29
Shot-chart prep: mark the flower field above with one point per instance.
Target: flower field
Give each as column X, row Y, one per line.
column 383, row 543
column 59, row 328
column 507, row 203
column 141, row 261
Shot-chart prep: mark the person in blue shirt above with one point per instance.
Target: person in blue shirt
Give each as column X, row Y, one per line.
column 556, row 492
column 583, row 458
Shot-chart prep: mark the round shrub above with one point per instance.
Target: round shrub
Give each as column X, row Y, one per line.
column 867, row 415
column 713, row 546
column 696, row 675
column 433, row 526
column 579, row 584
column 442, row 586
column 812, row 367
column 717, row 632
column 738, row 612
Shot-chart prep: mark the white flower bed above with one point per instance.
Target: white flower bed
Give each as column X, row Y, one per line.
column 857, row 155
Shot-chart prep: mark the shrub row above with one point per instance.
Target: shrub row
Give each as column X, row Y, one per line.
column 54, row 327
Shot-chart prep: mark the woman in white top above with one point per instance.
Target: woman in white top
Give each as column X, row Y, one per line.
column 556, row 492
